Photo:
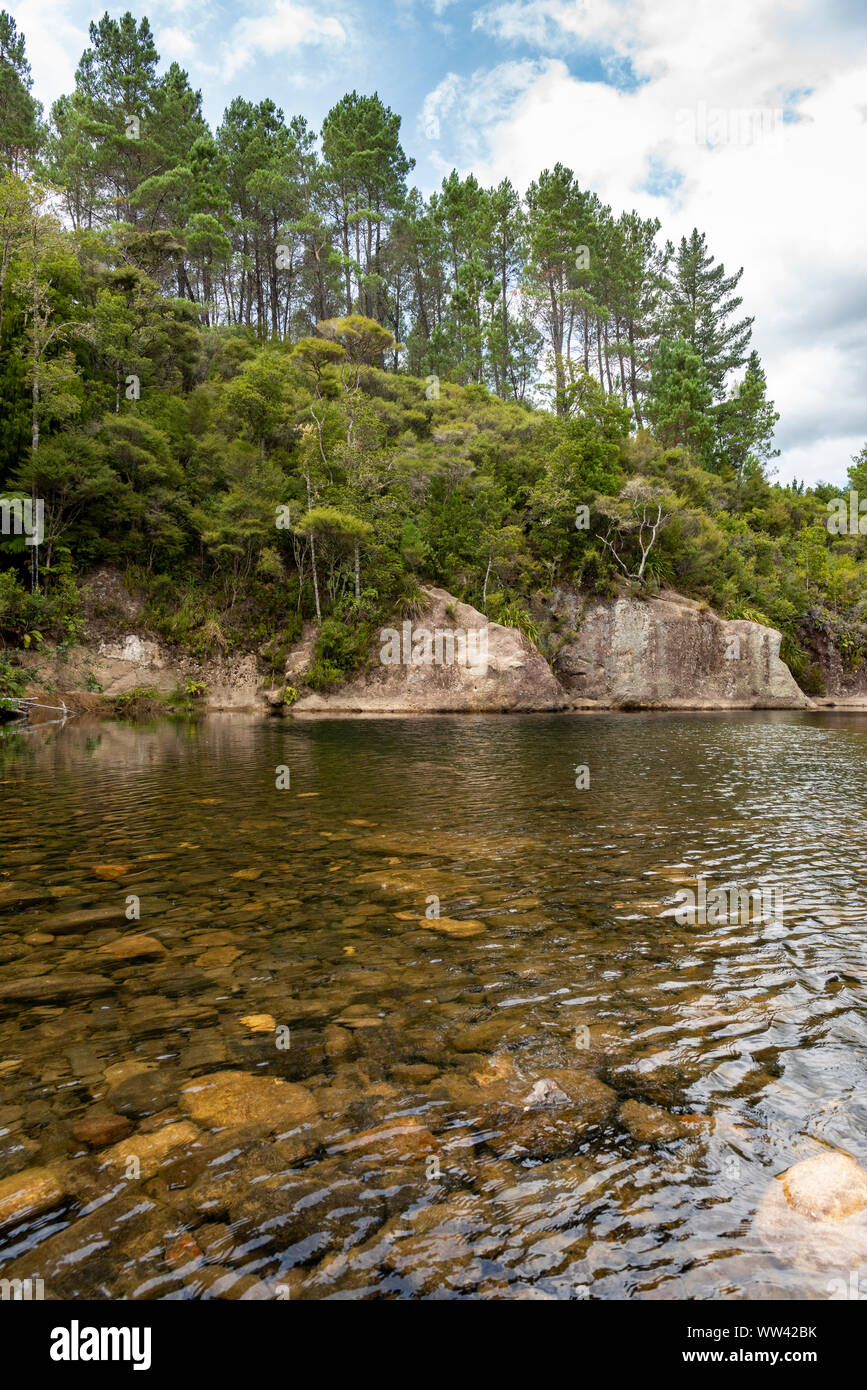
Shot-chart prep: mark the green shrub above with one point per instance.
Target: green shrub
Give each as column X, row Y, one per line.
column 516, row 615
column 26, row 618
column 812, row 682
column 138, row 703
column 12, row 680
column 322, row 674
column 342, row 644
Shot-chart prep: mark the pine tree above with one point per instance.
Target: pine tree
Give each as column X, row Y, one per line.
column 700, row 309
column 744, row 423
column 20, row 113
column 366, row 170
column 102, row 137
column 638, row 289
column 557, row 225
column 679, row 398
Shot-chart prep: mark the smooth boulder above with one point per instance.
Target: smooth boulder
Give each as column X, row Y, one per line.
column 814, row 1215
column 228, row 1099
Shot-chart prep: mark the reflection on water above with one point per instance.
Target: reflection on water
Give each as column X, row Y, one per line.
column 458, row 1110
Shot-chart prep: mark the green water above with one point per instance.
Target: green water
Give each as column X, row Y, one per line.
column 421, row 1166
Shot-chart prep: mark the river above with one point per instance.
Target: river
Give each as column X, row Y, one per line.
column 518, row 1056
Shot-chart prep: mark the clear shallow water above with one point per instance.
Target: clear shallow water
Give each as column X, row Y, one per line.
column 412, row 1168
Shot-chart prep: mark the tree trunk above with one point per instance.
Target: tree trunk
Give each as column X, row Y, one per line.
column 315, row 578
column 313, row 539
column 608, row 362
column 633, row 378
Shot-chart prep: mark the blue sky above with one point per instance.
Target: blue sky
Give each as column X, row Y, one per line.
column 306, row 55
column 748, row 120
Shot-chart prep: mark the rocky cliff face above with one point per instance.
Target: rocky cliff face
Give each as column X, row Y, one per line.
column 118, row 655
column 834, row 681
column 667, row 652
column 449, row 659
column 136, row 661
column 664, row 652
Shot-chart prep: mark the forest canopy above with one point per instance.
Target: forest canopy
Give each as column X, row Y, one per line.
column 255, row 369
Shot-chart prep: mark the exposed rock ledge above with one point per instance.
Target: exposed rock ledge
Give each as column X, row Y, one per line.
column 663, row 652
column 513, row 675
column 668, row 652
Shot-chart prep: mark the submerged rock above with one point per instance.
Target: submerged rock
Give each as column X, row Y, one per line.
column 184, row 1254
column 98, row 1130
column 497, row 1069
column 109, row 1242
column 216, row 1240
column 450, row 926
column 31, row 1193
column 593, row 1098
column 259, row 1023
column 547, row 1130
column 149, row 1150
column 65, row 923
column 338, row 1041
column 42, row 989
column 397, row 1141
column 486, row 1036
column 111, row 870
column 144, row 1092
column 413, row 1073
column 135, row 947
column 829, row 1187
column 545, row 1095
column 235, row 1098
column 535, row 1133
column 651, row 1125
column 814, row 1215
column 217, row 957
column 122, row 1071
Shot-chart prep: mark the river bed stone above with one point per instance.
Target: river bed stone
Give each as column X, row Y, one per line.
column 232, row 1098
column 30, row 1193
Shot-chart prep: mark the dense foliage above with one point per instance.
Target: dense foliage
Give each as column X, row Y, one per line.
column 261, row 374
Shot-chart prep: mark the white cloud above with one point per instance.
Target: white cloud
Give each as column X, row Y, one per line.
column 56, row 32
column 824, row 460
column 55, row 43
column 177, row 45
column 790, row 206
column 283, row 28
